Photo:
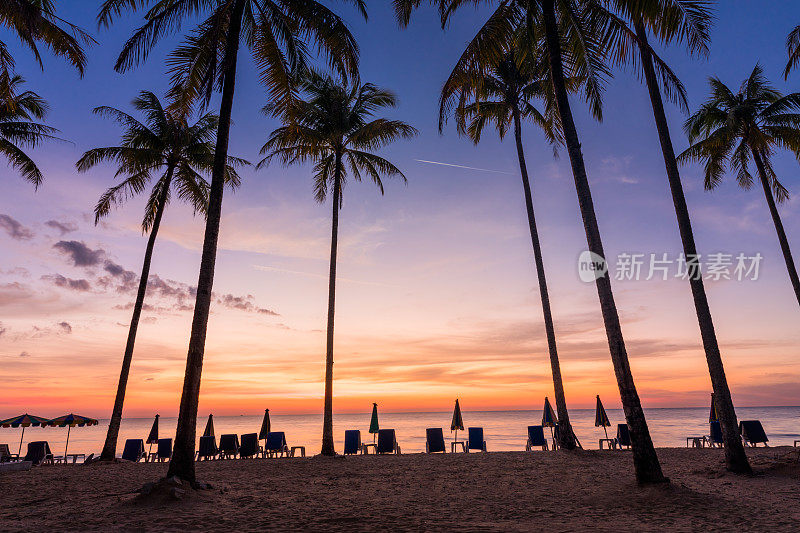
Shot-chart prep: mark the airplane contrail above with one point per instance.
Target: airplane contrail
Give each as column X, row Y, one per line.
column 461, row 166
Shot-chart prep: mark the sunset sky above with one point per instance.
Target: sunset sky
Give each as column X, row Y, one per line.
column 437, row 294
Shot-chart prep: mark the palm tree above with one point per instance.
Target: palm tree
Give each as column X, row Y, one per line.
column 500, row 94
column 165, row 148
column 277, row 33
column 574, row 43
column 334, row 128
column 684, row 22
column 793, row 49
column 731, row 127
column 35, row 22
column 18, row 131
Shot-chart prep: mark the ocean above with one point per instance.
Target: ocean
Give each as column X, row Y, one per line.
column 503, row 430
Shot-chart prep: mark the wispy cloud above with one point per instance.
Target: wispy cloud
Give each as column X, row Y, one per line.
column 462, row 166
column 15, row 229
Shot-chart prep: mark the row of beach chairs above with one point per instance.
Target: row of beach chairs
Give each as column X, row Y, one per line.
column 751, row 431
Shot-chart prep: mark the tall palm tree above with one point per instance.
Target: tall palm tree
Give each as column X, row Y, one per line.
column 164, row 148
column 574, row 44
column 688, row 22
column 731, row 127
column 18, row 131
column 793, row 49
column 35, row 22
column 278, row 34
column 333, row 127
column 500, row 94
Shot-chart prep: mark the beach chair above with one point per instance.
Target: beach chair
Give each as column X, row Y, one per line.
column 623, row 436
column 134, row 450
column 6, row 456
column 250, row 446
column 387, row 442
column 208, row 448
column 276, row 444
column 714, row 437
column 475, row 440
column 536, row 438
column 39, row 453
column 352, row 442
column 753, row 433
column 228, row 446
column 163, row 451
column 434, row 440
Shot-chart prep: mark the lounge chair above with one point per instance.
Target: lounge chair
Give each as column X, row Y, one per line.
column 753, row 433
column 352, row 442
column 276, row 444
column 228, row 446
column 536, row 438
column 387, row 442
column 163, row 451
column 208, row 448
column 6, row 456
column 714, row 437
column 134, row 450
column 434, row 440
column 623, row 436
column 250, row 446
column 39, row 453
column 475, row 440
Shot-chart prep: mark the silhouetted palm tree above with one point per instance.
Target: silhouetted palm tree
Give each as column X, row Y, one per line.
column 793, row 49
column 164, row 148
column 35, row 23
column 501, row 94
column 731, row 127
column 575, row 39
column 684, row 22
column 332, row 126
column 17, row 131
column 278, row 34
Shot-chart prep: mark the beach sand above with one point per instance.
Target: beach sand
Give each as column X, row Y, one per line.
column 502, row 491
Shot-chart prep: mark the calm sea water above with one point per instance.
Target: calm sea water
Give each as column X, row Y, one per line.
column 503, row 430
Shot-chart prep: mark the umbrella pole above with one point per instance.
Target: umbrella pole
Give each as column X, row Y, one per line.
column 605, row 431
column 66, row 446
column 19, row 451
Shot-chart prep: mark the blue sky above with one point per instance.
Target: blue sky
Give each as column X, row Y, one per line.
column 437, row 292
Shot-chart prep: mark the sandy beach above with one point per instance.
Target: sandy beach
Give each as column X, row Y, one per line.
column 502, row 491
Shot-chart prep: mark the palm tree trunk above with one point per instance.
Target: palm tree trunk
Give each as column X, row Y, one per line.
column 182, row 462
column 776, row 219
column 110, row 446
column 648, row 468
column 327, row 417
column 566, row 437
column 735, row 457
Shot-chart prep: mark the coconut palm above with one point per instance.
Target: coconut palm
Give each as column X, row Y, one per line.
column 575, row 46
column 687, row 22
column 278, row 34
column 18, row 131
column 793, row 49
column 167, row 150
column 501, row 94
column 733, row 127
column 35, row 23
column 333, row 126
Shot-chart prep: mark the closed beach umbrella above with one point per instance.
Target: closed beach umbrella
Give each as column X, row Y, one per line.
column 458, row 422
column 712, row 416
column 70, row 421
column 265, row 426
column 152, row 438
column 549, row 419
column 373, row 423
column 23, row 421
column 209, row 432
column 600, row 416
